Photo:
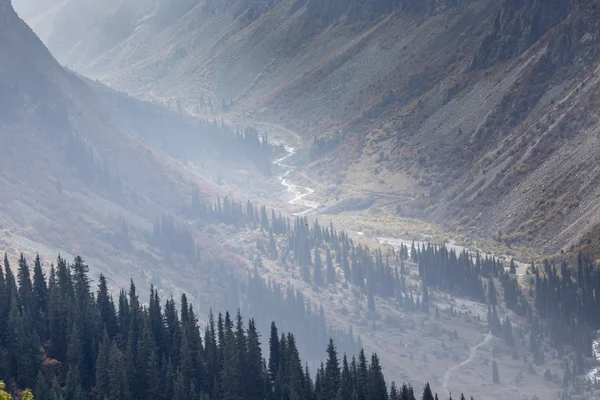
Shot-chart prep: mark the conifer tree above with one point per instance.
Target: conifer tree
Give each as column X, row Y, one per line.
column 427, row 394
column 495, row 373
column 332, row 372
column 371, row 301
column 40, row 289
column 318, row 269
column 274, row 346
column 25, row 286
column 102, row 368
column 376, row 387
column 330, row 271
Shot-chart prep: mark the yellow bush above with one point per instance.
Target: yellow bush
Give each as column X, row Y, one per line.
column 3, row 394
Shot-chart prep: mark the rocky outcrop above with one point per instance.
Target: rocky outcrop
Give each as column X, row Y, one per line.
column 518, row 25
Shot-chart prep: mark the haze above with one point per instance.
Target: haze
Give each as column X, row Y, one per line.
column 416, row 179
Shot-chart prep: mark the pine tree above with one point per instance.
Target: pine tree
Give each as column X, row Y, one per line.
column 425, row 302
column 394, row 394
column 495, row 373
column 330, row 271
column 255, row 380
column 318, row 269
column 371, row 301
column 332, row 372
column 106, row 308
column 427, row 394
column 42, row 390
column 274, row 346
column 25, row 346
column 25, row 286
column 346, row 383
column 376, row 387
column 40, row 289
column 567, row 375
column 102, row 368
column 119, row 387
column 492, row 296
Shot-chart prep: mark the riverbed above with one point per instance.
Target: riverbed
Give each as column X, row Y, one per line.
column 295, row 194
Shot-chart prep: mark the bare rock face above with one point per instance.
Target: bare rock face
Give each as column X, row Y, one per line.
column 519, row 24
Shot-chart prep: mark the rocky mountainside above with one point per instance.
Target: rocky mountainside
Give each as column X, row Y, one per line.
column 469, row 111
column 74, row 180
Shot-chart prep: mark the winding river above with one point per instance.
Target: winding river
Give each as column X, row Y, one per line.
column 297, row 196
column 297, row 193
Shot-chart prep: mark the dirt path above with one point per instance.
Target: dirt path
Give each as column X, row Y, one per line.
column 472, row 355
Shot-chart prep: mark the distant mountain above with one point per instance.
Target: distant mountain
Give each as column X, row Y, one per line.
column 469, row 111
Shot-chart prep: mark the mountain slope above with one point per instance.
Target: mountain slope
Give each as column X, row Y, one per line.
column 446, row 105
column 73, row 180
column 77, row 178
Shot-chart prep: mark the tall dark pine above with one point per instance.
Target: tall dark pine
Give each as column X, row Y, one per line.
column 332, row 372
column 427, row 394
column 25, row 286
column 102, row 368
column 25, row 346
column 254, row 377
column 40, row 300
column 40, row 288
column 376, row 387
column 106, row 308
column 274, row 346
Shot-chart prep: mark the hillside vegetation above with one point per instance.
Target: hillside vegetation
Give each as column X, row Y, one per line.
column 453, row 103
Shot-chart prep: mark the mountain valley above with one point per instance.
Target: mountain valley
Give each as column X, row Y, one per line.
column 233, row 149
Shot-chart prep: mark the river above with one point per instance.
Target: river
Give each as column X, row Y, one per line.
column 297, row 193
column 594, row 374
column 297, row 196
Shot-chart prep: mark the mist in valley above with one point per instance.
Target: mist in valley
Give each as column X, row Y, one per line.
column 292, row 199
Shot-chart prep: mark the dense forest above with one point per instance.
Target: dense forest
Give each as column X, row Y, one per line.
column 186, row 137
column 559, row 308
column 64, row 340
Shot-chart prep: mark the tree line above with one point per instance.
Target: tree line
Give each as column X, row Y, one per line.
column 559, row 306
column 65, row 340
column 186, row 137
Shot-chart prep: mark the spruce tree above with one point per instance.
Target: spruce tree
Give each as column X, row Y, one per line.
column 119, row 387
column 274, row 346
column 330, row 271
column 254, row 377
column 427, row 394
column 370, row 301
column 25, row 286
column 102, row 368
column 495, row 373
column 318, row 269
column 332, row 372
column 40, row 289
column 376, row 387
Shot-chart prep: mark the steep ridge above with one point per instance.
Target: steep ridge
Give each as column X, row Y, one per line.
column 449, row 97
column 73, row 180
